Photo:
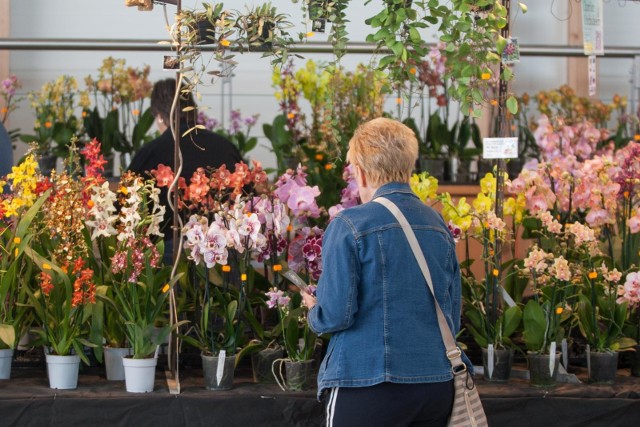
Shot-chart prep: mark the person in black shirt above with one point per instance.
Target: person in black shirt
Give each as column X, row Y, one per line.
column 200, row 148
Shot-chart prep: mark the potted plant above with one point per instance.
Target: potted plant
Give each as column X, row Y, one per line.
column 601, row 318
column 630, row 294
column 16, row 267
column 62, row 299
column 55, row 123
column 218, row 333
column 491, row 313
column 204, row 27
column 119, row 118
column 299, row 341
column 139, row 282
column 261, row 28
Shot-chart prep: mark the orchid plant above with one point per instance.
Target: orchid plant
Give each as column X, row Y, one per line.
column 492, row 318
column 124, row 226
column 64, row 298
column 222, row 232
column 55, row 118
column 119, row 118
column 18, row 209
column 299, row 339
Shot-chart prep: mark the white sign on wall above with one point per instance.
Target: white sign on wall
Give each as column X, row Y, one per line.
column 500, row 148
column 592, row 27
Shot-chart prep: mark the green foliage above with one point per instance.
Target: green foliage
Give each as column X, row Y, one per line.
column 485, row 327
column 108, row 131
column 398, row 31
column 601, row 320
column 282, row 141
column 141, row 305
column 16, row 272
column 221, row 314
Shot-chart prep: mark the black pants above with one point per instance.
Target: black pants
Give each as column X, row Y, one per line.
column 390, row 405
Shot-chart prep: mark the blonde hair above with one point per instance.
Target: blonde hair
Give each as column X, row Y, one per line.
column 385, row 149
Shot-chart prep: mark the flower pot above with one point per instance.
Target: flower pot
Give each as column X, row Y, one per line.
column 299, row 375
column 435, row 167
column 6, row 152
column 603, row 366
column 218, row 372
column 139, row 374
column 635, row 362
column 6, row 356
column 206, row 32
column 514, row 167
column 63, row 371
column 485, row 166
column 47, row 163
column 502, row 363
column 261, row 363
column 540, row 373
column 113, row 366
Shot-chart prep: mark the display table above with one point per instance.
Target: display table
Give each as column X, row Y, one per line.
column 27, row 400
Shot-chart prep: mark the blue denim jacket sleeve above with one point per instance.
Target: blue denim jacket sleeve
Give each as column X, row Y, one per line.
column 337, row 295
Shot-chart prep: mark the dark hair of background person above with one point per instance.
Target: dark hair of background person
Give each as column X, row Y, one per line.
column 162, row 99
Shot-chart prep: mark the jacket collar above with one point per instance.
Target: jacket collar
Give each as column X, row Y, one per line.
column 394, row 187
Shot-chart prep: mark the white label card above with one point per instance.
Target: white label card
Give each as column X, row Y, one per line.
column 500, row 148
column 593, row 77
column 220, row 368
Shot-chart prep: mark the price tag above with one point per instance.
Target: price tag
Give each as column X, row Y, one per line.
column 500, row 148
column 593, row 81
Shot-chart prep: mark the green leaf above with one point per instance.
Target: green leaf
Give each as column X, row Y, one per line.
column 414, row 35
column 535, row 323
column 512, row 104
column 523, row 7
column 501, row 44
column 507, row 74
column 8, row 335
column 512, row 318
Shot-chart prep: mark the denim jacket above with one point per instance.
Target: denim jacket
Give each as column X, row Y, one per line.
column 373, row 299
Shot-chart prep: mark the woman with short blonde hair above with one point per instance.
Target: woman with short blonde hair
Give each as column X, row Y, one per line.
column 386, row 149
column 386, row 362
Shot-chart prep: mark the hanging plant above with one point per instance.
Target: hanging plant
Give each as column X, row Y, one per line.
column 473, row 44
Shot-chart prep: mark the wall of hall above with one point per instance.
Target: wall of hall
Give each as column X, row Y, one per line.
column 544, row 24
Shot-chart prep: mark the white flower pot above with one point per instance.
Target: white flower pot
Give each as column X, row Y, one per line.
column 6, row 356
column 139, row 374
column 63, row 371
column 113, row 362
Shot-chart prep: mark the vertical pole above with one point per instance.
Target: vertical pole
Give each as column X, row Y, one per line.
column 172, row 356
column 500, row 167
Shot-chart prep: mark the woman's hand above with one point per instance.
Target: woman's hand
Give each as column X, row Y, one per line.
column 307, row 299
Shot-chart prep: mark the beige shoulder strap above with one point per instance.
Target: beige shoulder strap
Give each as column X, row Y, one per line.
column 454, row 354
